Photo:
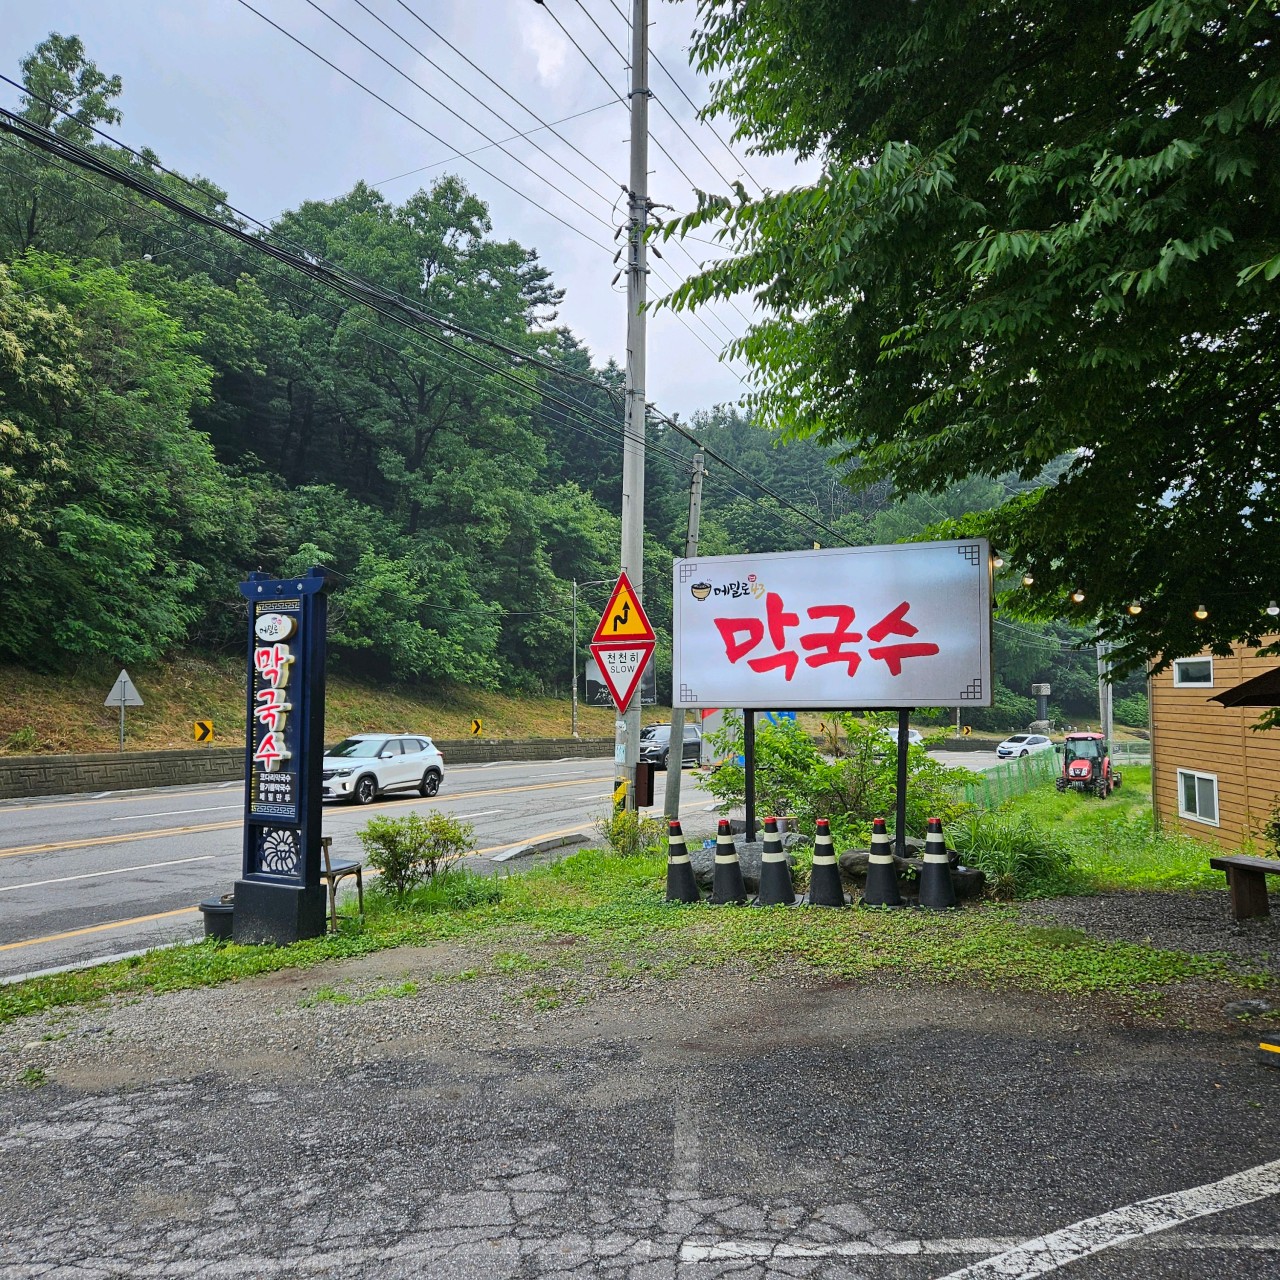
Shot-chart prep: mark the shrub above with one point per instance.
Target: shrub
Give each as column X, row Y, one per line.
column 1131, row 711
column 1020, row 859
column 627, row 832
column 849, row 778
column 409, row 851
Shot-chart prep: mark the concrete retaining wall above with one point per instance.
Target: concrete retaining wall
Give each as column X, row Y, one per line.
column 22, row 776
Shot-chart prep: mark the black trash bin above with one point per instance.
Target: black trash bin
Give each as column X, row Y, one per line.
column 218, row 916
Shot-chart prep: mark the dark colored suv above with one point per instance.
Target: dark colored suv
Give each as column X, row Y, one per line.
column 655, row 744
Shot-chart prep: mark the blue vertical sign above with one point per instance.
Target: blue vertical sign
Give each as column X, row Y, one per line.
column 279, row 897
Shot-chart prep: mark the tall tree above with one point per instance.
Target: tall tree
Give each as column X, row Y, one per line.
column 1042, row 229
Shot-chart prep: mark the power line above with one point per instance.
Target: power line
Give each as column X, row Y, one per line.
column 501, row 89
column 515, row 137
column 454, row 81
column 697, row 110
column 656, row 141
column 418, row 124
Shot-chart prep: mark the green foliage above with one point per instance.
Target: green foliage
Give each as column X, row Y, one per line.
column 410, row 851
column 849, row 779
column 23, row 740
column 1009, row 713
column 629, row 833
column 1008, row 262
column 1020, row 859
column 1133, row 711
column 1270, row 831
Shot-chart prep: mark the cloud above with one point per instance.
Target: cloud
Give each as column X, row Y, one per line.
column 550, row 50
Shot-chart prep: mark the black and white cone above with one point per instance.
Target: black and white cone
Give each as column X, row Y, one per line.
column 776, row 889
column 825, row 889
column 882, row 872
column 726, row 884
column 937, row 890
column 681, row 886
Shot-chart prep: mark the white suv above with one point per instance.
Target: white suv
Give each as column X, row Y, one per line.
column 363, row 766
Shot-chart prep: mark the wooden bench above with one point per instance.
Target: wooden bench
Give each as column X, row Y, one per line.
column 1247, row 880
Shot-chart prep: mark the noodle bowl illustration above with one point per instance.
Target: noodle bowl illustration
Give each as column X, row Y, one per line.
column 701, row 590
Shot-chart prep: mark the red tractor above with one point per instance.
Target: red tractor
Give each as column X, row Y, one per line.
column 1086, row 765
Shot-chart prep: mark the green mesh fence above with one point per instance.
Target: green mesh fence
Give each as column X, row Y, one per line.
column 1014, row 778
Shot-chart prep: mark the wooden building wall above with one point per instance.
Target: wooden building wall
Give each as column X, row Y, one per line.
column 1191, row 733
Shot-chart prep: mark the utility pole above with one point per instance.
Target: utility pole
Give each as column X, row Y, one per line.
column 574, row 666
column 627, row 733
column 1104, row 691
column 675, row 750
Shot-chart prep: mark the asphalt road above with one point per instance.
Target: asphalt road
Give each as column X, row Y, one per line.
column 381, row 1118
column 89, row 876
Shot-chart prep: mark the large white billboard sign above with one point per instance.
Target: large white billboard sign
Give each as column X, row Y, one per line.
column 853, row 627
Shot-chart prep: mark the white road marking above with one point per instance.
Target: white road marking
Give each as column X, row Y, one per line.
column 1119, row 1226
column 118, row 871
column 757, row 1250
column 173, row 813
column 484, row 813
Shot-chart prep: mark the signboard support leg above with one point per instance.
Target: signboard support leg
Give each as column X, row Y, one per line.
column 749, row 756
column 900, row 836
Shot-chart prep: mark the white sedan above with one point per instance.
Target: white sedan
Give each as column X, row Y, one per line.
column 1023, row 744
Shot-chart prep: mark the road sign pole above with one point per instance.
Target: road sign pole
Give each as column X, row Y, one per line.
column 122, row 719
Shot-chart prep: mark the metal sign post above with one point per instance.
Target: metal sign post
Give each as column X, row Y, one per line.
column 279, row 897
column 122, row 695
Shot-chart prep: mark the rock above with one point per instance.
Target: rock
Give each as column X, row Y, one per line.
column 750, row 854
column 969, row 881
column 1246, row 1008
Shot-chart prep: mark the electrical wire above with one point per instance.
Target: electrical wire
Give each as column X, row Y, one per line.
column 657, row 142
column 470, row 124
column 501, row 89
column 697, row 111
column 515, row 137
column 302, row 44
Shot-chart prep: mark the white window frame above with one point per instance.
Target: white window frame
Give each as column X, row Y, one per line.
column 1183, row 812
column 1180, row 683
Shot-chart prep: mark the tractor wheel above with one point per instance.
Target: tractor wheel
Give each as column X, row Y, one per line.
column 1060, row 783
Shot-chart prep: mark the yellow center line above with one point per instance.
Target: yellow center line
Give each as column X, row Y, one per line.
column 126, row 837
column 97, row 928
column 123, row 838
column 183, row 911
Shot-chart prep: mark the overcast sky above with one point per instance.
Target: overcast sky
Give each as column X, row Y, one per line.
column 215, row 90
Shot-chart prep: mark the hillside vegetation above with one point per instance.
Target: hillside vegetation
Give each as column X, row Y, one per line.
column 38, row 715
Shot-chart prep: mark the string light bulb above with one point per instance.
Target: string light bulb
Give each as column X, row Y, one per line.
column 998, row 560
column 1273, row 608
column 1135, row 608
column 1201, row 612
column 1077, row 595
column 1027, row 580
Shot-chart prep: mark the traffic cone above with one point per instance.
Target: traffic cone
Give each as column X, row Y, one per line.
column 776, row 889
column 726, row 884
column 825, row 889
column 937, row 892
column 882, row 872
column 681, row 886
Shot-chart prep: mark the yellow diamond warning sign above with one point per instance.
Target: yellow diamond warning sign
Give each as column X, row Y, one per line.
column 624, row 622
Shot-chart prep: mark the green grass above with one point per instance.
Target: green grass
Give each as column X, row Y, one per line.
column 1113, row 843
column 595, row 909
